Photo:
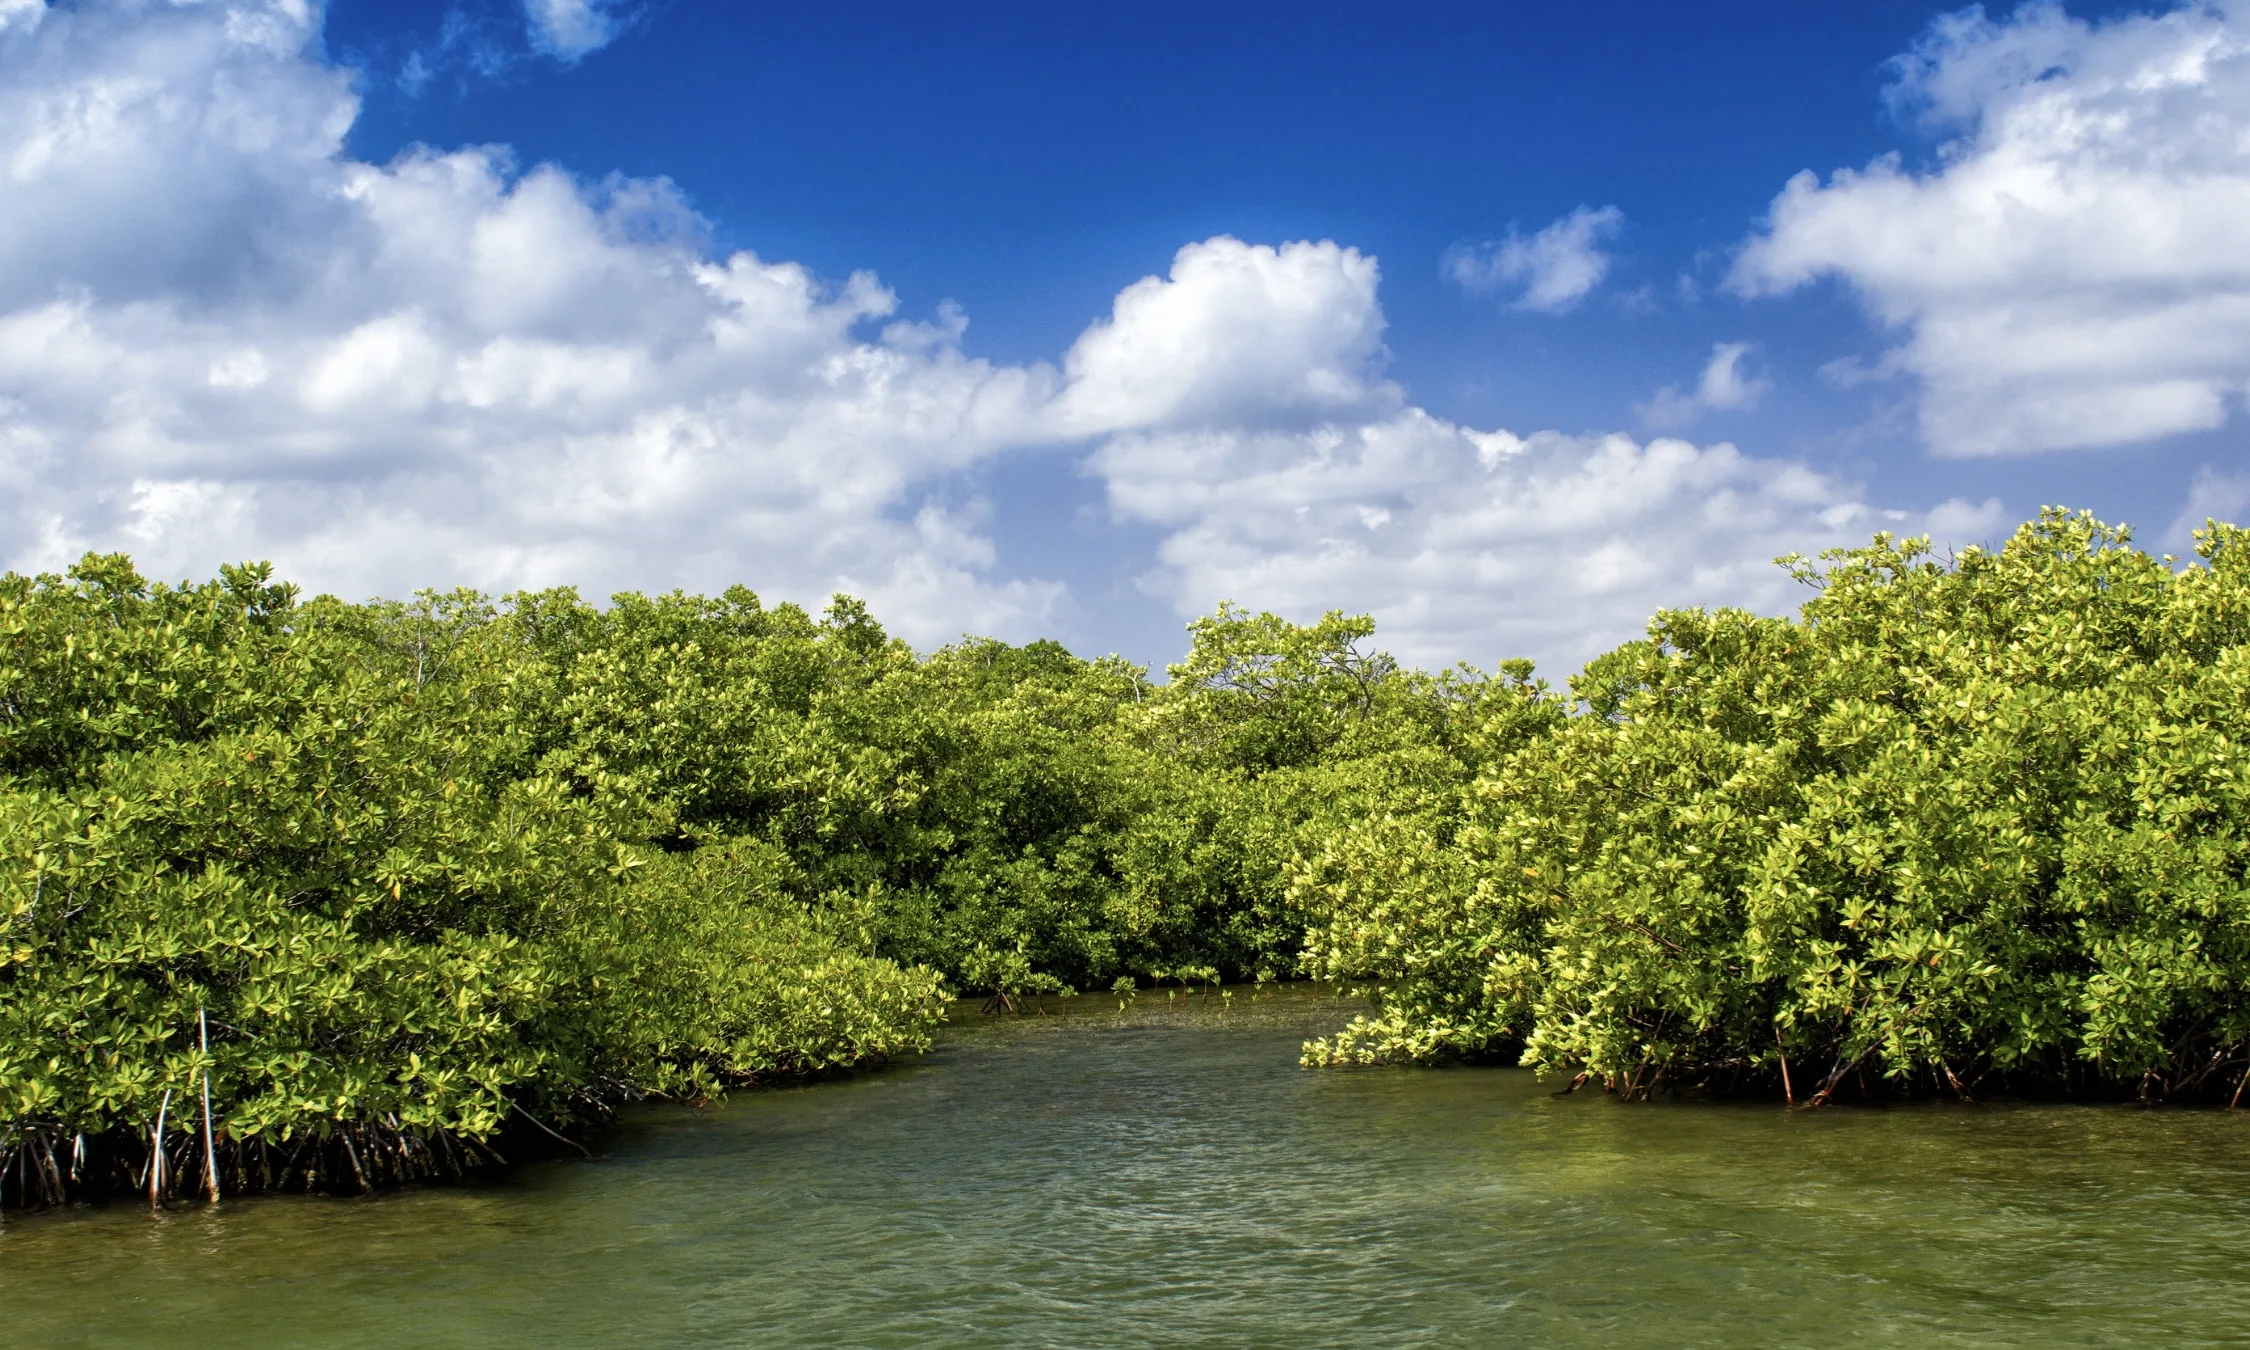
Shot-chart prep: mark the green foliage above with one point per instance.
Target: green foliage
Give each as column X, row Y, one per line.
column 714, row 975
column 1981, row 821
column 397, row 883
column 392, row 881
column 1258, row 693
column 322, row 863
column 1018, row 819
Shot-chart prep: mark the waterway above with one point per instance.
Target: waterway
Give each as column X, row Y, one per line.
column 1167, row 1175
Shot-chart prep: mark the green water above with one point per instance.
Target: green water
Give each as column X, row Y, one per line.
column 1169, row 1176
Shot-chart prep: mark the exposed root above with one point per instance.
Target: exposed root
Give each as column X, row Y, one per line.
column 43, row 1167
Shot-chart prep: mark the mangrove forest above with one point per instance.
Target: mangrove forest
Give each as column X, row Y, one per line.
column 302, row 894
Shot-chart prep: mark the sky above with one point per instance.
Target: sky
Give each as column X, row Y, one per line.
column 1507, row 324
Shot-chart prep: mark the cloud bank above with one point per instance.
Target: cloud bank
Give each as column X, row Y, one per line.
column 2071, row 272
column 220, row 337
column 223, row 337
column 1466, row 544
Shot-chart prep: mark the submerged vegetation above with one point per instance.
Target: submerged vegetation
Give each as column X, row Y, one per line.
column 300, row 893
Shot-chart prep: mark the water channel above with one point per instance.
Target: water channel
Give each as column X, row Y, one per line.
column 1167, row 1175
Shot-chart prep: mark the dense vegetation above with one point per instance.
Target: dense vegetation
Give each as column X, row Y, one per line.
column 310, row 894
column 1983, row 821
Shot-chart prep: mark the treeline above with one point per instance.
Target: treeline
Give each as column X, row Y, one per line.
column 305, row 894
column 1971, row 824
column 311, row 894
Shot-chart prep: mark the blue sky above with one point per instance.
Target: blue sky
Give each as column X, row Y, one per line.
column 1028, row 160
column 295, row 284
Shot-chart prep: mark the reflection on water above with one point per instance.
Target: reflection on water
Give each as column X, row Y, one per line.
column 1167, row 1175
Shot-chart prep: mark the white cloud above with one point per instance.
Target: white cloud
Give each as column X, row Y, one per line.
column 2212, row 496
column 1238, row 332
column 1469, row 545
column 570, row 30
column 222, row 337
column 2071, row 272
column 1552, row 270
column 1723, row 385
column 1723, row 388
column 1464, row 544
column 21, row 15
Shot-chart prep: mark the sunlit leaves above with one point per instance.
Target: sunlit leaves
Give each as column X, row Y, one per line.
column 365, row 848
column 1978, row 820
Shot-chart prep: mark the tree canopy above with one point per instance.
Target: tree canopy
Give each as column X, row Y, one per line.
column 390, row 885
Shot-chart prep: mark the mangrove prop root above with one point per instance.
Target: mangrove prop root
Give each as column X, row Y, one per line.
column 550, row 1133
column 1789, row 1093
column 1828, row 1088
column 156, row 1155
column 210, row 1154
column 41, row 1168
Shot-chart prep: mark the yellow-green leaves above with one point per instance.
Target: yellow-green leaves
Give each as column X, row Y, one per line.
column 1974, row 821
column 357, row 851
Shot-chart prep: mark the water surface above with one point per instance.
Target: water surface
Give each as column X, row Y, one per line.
column 1167, row 1175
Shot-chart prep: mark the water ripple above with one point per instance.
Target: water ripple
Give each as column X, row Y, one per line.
column 1167, row 1175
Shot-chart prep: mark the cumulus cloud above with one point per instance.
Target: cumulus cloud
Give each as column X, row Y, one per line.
column 224, row 337
column 1464, row 543
column 1724, row 387
column 221, row 337
column 2071, row 271
column 1237, row 332
column 1470, row 545
column 1550, row 271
